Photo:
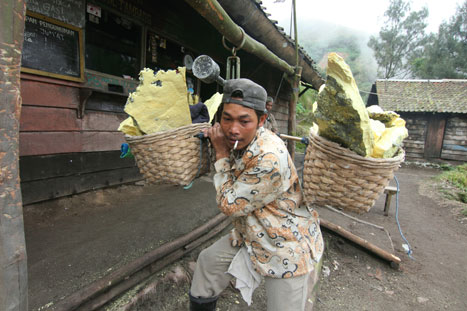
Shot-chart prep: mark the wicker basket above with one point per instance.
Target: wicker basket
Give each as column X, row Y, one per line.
column 171, row 157
column 339, row 177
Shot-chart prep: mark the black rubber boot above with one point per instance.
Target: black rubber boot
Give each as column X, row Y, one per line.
column 202, row 304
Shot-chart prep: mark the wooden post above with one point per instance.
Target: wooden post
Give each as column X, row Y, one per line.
column 295, row 82
column 13, row 271
column 389, row 191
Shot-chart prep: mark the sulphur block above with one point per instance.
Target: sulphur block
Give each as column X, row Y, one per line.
column 213, row 104
column 387, row 117
column 377, row 128
column 129, row 127
column 192, row 99
column 389, row 142
column 397, row 122
column 341, row 114
column 160, row 101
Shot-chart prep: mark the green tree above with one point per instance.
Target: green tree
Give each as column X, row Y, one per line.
column 400, row 39
column 445, row 54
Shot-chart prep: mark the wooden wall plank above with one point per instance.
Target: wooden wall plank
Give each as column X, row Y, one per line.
column 48, row 119
column 102, row 121
column 60, row 165
column 106, row 102
column 454, row 157
column 42, row 143
column 35, row 93
column 37, row 191
column 414, row 144
column 102, row 141
column 37, row 143
column 455, row 139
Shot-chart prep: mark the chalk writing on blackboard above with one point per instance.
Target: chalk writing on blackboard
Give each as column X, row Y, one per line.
column 52, row 48
column 68, row 11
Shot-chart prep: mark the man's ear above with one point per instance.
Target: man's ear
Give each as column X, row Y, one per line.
column 262, row 119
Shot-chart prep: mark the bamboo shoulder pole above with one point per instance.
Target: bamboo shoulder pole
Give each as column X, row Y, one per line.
column 213, row 12
column 299, row 139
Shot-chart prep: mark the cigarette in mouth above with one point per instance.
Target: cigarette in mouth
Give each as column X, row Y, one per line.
column 235, row 146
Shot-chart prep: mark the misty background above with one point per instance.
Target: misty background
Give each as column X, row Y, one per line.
column 319, row 38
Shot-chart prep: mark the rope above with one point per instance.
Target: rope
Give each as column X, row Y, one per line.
column 200, row 165
column 409, row 248
column 279, row 88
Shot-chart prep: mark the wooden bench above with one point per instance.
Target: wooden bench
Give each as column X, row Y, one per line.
column 389, row 191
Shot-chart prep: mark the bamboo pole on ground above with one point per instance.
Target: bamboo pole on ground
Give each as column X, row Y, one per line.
column 13, row 271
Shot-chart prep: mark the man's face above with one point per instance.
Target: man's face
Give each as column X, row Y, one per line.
column 240, row 123
column 268, row 106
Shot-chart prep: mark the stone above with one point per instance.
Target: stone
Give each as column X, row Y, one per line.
column 213, row 104
column 341, row 114
column 160, row 101
column 387, row 117
column 129, row 127
column 390, row 141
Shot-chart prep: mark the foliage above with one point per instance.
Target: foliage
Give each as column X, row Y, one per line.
column 445, row 54
column 305, row 111
column 320, row 40
column 300, row 147
column 457, row 178
column 400, row 39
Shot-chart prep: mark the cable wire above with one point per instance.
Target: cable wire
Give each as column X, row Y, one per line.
column 409, row 248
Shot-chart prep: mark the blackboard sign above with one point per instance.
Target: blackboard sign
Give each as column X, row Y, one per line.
column 68, row 11
column 52, row 48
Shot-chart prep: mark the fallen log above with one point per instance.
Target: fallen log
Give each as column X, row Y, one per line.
column 394, row 260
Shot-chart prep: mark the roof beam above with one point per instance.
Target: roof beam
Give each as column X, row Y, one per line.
column 213, row 12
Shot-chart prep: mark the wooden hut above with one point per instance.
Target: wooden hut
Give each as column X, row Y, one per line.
column 81, row 59
column 435, row 112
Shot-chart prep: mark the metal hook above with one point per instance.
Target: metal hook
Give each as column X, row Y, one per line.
column 235, row 49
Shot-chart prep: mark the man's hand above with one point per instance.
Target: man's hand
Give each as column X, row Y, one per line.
column 235, row 238
column 218, row 141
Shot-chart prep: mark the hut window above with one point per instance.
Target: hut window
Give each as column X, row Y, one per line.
column 113, row 44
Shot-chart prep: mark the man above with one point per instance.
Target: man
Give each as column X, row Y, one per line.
column 258, row 186
column 270, row 122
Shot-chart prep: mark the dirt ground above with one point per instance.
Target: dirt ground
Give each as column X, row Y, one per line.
column 353, row 279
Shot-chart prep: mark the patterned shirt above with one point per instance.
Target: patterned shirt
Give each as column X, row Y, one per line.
column 261, row 192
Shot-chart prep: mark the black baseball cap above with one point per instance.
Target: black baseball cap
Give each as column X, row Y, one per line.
column 254, row 95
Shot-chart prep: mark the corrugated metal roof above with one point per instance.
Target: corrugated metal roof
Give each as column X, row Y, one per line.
column 422, row 95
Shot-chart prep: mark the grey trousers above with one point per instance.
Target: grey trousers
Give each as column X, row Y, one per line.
column 210, row 279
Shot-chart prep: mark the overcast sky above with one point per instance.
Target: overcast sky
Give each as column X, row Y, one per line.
column 367, row 15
